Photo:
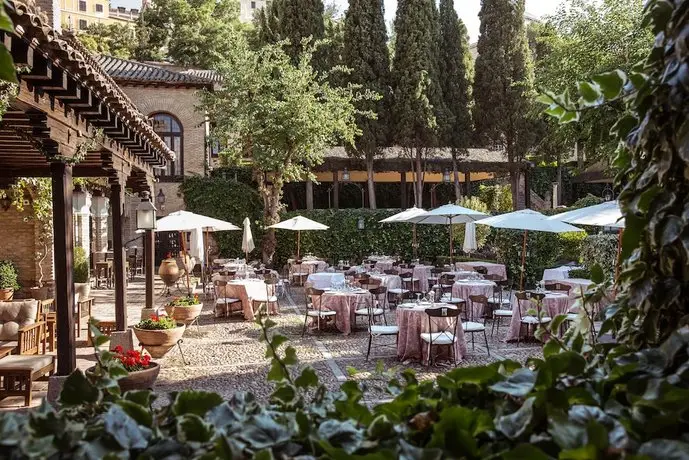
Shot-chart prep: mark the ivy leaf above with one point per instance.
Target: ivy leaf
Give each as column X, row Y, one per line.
column 308, row 378
column 128, row 434
column 192, row 428
column 7, row 71
column 411, row 452
column 519, row 384
column 597, row 275
column 590, row 93
column 276, row 373
column 516, row 424
column 195, row 402
column 261, row 432
column 290, row 356
column 665, row 449
column 342, row 434
column 611, row 83
column 78, row 390
column 524, row 452
column 139, row 413
column 285, row 394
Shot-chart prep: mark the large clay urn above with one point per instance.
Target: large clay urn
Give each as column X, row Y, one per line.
column 184, row 314
column 169, row 271
column 157, row 342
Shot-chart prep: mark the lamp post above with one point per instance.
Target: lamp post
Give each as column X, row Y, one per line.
column 346, row 179
column 160, row 200
column 146, row 221
column 445, row 180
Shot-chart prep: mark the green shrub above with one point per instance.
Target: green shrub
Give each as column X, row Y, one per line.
column 588, row 200
column 8, row 275
column 600, row 249
column 581, row 273
column 81, row 265
column 498, row 198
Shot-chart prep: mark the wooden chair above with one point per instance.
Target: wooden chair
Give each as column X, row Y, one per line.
column 524, row 304
column 558, row 287
column 271, row 283
column 18, row 372
column 435, row 277
column 105, row 327
column 390, row 272
column 377, row 306
column 313, row 300
column 407, row 275
column 476, row 325
column 223, row 304
column 500, row 307
column 480, row 269
column 443, row 323
column 83, row 309
column 297, row 274
column 378, row 330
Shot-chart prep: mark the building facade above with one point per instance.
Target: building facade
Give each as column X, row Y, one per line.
column 78, row 15
column 247, row 8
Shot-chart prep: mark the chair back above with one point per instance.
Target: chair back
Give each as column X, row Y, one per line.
column 379, row 292
column 479, row 299
column 492, row 277
column 443, row 321
column 558, row 287
column 313, row 296
column 447, row 279
column 390, row 272
column 411, row 295
column 481, row 269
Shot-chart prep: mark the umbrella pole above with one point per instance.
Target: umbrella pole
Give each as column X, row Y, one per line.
column 451, row 248
column 184, row 262
column 298, row 242
column 414, row 244
column 619, row 256
column 521, row 280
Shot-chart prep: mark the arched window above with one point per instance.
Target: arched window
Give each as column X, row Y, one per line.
column 170, row 130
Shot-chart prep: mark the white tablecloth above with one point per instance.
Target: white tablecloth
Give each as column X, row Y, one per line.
column 325, row 279
column 557, row 273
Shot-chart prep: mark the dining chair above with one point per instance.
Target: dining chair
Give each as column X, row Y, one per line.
column 314, row 298
column 407, row 275
column 558, row 287
column 476, row 325
column 445, row 284
column 500, row 307
column 524, row 303
column 298, row 274
column 271, row 281
column 376, row 308
column 443, row 325
column 435, row 277
column 223, row 304
column 480, row 269
column 390, row 272
column 379, row 330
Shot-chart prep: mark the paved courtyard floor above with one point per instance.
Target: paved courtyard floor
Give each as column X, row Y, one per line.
column 225, row 355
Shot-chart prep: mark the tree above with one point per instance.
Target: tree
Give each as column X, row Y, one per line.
column 366, row 55
column 503, row 83
column 277, row 117
column 455, row 65
column 417, row 94
column 110, row 39
column 191, row 33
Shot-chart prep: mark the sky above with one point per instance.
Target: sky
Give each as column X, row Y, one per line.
column 467, row 10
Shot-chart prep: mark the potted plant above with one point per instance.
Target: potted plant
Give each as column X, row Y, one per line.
column 184, row 309
column 143, row 372
column 82, row 282
column 8, row 280
column 158, row 334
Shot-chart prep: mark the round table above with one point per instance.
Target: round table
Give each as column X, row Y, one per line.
column 344, row 304
column 388, row 281
column 422, row 273
column 325, row 279
column 248, row 291
column 384, row 264
column 462, row 289
column 554, row 303
column 412, row 322
column 492, row 268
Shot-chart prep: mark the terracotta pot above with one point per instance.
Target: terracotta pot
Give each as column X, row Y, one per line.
column 158, row 342
column 39, row 293
column 6, row 294
column 137, row 380
column 186, row 314
column 83, row 290
column 169, row 271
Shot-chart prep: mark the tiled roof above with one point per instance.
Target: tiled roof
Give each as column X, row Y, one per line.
column 209, row 75
column 132, row 71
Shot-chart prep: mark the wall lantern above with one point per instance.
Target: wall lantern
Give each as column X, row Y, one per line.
column 345, row 175
column 361, row 223
column 160, row 200
column 446, row 176
column 145, row 213
column 99, row 205
column 81, row 201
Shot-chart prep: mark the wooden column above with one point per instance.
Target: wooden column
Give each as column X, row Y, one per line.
column 403, row 190
column 336, row 190
column 309, row 194
column 149, row 261
column 63, row 247
column 467, row 183
column 117, row 208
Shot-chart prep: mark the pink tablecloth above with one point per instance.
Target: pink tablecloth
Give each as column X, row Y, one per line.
column 389, row 281
column 412, row 322
column 493, row 269
column 382, row 265
column 248, row 291
column 465, row 288
column 577, row 285
column 345, row 304
column 421, row 273
column 553, row 304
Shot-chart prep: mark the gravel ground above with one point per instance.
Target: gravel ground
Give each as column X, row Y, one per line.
column 226, row 355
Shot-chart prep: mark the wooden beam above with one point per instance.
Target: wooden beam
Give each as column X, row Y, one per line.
column 63, row 242
column 117, row 210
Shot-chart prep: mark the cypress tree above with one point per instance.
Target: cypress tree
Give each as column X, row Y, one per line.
column 455, row 68
column 504, row 82
column 417, row 94
column 366, row 54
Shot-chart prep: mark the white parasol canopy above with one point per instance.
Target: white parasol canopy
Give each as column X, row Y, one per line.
column 184, row 221
column 247, row 239
column 298, row 224
column 527, row 220
column 470, row 244
column 404, row 216
column 606, row 214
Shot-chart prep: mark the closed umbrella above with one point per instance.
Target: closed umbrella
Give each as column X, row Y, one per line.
column 299, row 224
column 449, row 215
column 470, row 244
column 403, row 217
column 527, row 220
column 247, row 239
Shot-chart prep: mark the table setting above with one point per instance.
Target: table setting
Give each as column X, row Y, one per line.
column 554, row 303
column 344, row 299
column 493, row 268
column 464, row 288
column 248, row 290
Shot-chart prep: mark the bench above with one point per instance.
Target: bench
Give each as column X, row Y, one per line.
column 18, row 372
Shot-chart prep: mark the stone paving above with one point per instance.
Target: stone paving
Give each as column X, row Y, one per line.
column 225, row 355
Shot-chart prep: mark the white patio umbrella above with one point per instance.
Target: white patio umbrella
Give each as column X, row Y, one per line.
column 403, row 217
column 299, row 224
column 470, row 244
column 449, row 215
column 527, row 220
column 247, row 239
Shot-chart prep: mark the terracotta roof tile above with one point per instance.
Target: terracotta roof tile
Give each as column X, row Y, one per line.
column 134, row 71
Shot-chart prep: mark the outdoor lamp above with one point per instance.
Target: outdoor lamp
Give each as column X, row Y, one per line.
column 81, row 201
column 146, row 213
column 99, row 205
column 361, row 223
column 160, row 199
column 345, row 175
column 446, row 176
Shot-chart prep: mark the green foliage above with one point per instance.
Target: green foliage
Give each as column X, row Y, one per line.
column 498, row 198
column 600, row 249
column 157, row 323
column 651, row 172
column 580, row 273
column 117, row 40
column 588, row 200
column 8, row 72
column 482, row 231
column 226, row 200
column 185, row 301
column 8, row 275
column 81, row 265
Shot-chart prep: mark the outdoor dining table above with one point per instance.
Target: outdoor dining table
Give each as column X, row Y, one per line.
column 422, row 273
column 248, row 291
column 325, row 279
column 311, row 266
column 577, row 284
column 553, row 304
column 462, row 289
column 558, row 273
column 462, row 274
column 388, row 281
column 412, row 321
column 344, row 304
column 493, row 268
column 384, row 264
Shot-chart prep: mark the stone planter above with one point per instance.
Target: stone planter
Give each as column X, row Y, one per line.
column 83, row 290
column 137, row 380
column 184, row 314
column 158, row 342
column 6, row 294
column 39, row 293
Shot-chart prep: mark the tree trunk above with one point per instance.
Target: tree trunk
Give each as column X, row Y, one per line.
column 559, row 177
column 455, row 176
column 370, row 181
column 419, row 178
column 514, row 186
column 271, row 192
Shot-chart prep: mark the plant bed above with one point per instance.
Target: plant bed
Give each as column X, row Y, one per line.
column 158, row 334
column 143, row 372
column 184, row 309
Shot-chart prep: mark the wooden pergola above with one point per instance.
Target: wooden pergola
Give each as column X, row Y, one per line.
column 69, row 119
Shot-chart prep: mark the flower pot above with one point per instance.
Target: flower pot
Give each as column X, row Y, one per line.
column 6, row 294
column 184, row 314
column 169, row 271
column 83, row 290
column 137, row 380
column 157, row 342
column 39, row 293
